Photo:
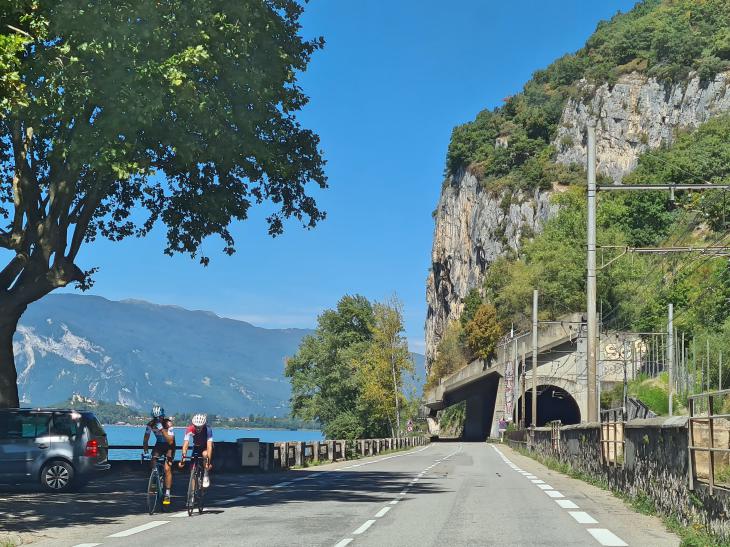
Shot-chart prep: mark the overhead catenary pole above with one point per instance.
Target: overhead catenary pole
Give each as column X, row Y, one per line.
column 534, row 358
column 515, row 379
column 670, row 355
column 591, row 276
column 719, row 376
column 522, row 385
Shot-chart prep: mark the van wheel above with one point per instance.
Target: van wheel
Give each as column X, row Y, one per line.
column 57, row 476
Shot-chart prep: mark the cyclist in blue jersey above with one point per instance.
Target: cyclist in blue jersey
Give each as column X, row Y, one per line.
column 161, row 427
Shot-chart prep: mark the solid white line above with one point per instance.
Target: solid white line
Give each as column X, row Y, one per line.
column 606, row 537
column 138, row 529
column 566, row 504
column 582, row 517
column 179, row 515
column 554, row 494
column 382, row 512
column 363, row 528
column 544, row 487
column 394, row 502
column 537, row 481
column 344, row 542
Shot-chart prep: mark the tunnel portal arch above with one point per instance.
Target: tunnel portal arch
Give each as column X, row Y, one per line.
column 553, row 403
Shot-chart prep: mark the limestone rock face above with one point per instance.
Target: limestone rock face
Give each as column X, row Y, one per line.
column 635, row 115
column 474, row 226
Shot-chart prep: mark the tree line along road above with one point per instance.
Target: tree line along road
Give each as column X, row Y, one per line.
column 441, row 494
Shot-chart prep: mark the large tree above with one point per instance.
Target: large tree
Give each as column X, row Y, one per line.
column 182, row 110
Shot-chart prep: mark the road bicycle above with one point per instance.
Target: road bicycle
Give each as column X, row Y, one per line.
column 155, row 486
column 195, row 485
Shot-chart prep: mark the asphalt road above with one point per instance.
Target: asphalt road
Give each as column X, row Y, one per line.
column 443, row 494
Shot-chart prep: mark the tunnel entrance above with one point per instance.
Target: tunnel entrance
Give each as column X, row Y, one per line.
column 553, row 403
column 479, row 398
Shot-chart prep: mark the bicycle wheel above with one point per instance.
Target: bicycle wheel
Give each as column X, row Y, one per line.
column 200, row 489
column 190, row 502
column 153, row 491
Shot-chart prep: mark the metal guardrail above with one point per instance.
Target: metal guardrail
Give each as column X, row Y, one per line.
column 612, row 436
column 706, row 417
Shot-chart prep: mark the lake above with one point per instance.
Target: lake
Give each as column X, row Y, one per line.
column 132, row 435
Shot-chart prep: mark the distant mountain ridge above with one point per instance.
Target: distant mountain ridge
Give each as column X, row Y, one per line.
column 135, row 353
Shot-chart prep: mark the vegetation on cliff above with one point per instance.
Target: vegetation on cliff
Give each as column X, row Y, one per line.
column 664, row 39
column 633, row 290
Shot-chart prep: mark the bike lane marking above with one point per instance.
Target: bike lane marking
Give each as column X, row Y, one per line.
column 138, row 529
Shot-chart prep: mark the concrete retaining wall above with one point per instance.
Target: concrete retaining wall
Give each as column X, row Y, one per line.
column 655, row 464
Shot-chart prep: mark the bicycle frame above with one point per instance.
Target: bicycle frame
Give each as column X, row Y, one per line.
column 156, row 480
column 195, row 485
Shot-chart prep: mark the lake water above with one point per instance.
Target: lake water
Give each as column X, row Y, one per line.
column 132, row 435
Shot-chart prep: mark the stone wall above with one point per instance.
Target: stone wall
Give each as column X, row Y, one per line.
column 655, row 464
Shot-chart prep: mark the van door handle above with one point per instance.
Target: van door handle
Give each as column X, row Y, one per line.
column 42, row 445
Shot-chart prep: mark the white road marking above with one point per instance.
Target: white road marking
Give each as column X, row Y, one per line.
column 282, row 484
column 582, row 517
column 403, row 493
column 257, row 493
column 606, row 537
column 537, row 481
column 530, row 476
column 344, row 542
column 87, row 544
column 554, row 494
column 566, row 504
column 300, row 479
column 138, row 529
column 364, row 527
column 394, row 502
column 179, row 515
column 544, row 487
column 234, row 500
column 382, row 512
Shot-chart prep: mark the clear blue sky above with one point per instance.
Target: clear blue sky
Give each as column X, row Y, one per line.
column 392, row 81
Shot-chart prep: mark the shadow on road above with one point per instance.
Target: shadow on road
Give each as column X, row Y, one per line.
column 115, row 496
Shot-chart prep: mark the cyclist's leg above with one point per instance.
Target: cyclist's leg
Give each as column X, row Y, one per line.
column 168, row 469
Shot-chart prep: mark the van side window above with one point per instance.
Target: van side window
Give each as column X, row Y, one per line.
column 34, row 425
column 65, row 425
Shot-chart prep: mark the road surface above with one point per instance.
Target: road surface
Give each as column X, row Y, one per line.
column 445, row 494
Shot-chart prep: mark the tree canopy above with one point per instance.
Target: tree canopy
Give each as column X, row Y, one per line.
column 185, row 111
column 348, row 375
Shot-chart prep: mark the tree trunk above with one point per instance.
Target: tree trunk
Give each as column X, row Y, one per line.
column 8, row 374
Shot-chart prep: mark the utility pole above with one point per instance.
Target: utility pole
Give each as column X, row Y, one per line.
column 591, row 279
column 624, row 399
column 534, row 358
column 719, row 379
column 516, row 378
column 522, row 386
column 670, row 355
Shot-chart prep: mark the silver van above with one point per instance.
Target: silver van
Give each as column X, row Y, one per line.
column 59, row 448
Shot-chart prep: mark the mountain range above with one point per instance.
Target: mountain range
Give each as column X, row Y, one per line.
column 135, row 353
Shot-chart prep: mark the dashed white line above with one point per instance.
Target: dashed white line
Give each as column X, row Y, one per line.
column 566, row 504
column 87, row 544
column 404, row 492
column 382, row 512
column 344, row 542
column 606, row 537
column 537, row 481
column 554, row 494
column 282, row 484
column 138, row 529
column 582, row 517
column 257, row 493
column 394, row 502
column 367, row 524
column 544, row 487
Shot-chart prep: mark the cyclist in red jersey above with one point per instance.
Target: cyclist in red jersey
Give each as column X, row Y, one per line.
column 201, row 436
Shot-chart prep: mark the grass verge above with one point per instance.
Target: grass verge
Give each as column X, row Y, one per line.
column 693, row 535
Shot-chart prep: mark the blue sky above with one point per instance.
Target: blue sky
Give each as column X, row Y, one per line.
column 394, row 78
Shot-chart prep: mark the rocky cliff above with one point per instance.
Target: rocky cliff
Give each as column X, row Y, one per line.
column 474, row 225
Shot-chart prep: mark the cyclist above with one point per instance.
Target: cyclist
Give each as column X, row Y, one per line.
column 201, row 435
column 161, row 427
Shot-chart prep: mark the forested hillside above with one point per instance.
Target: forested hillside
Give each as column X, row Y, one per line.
column 515, row 149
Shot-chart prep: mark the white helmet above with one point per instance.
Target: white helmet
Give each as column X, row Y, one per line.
column 157, row 411
column 199, row 420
